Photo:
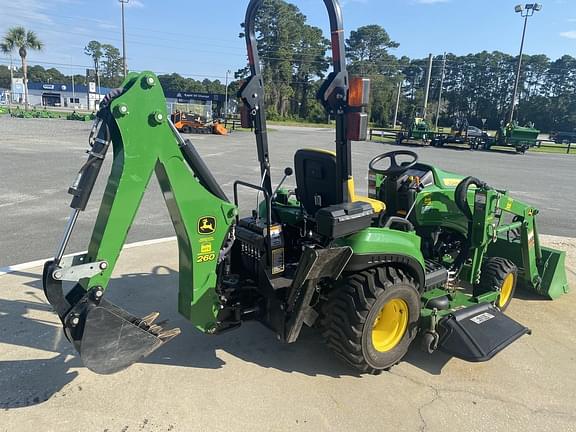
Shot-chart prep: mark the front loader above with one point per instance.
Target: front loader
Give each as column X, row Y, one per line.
column 371, row 273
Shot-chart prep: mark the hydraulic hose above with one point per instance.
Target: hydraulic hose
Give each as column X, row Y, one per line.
column 461, row 195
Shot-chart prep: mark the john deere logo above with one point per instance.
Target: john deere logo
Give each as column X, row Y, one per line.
column 206, row 225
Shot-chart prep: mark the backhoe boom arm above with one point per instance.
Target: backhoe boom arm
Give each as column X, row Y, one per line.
column 144, row 142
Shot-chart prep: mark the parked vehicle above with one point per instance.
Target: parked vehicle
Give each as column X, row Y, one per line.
column 564, row 137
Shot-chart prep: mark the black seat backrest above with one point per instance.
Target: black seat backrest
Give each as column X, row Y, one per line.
column 316, row 179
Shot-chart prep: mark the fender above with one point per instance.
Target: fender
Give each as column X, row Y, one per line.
column 376, row 246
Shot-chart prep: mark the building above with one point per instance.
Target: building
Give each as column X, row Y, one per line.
column 207, row 105
column 87, row 98
column 62, row 95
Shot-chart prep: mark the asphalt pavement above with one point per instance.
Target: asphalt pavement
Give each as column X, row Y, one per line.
column 40, row 159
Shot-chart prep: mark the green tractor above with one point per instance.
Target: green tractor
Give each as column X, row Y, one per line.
column 419, row 132
column 512, row 135
column 371, row 273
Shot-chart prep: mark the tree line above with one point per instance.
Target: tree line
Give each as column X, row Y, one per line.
column 295, row 57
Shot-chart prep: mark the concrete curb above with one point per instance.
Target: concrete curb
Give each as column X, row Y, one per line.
column 38, row 263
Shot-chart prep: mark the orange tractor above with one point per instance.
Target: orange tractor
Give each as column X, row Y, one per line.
column 190, row 123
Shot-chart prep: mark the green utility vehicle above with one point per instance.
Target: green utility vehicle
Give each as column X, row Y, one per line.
column 512, row 135
column 371, row 273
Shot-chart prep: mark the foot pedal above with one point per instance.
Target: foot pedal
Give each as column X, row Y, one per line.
column 478, row 333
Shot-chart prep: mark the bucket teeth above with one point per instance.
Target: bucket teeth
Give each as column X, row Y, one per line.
column 150, row 318
column 166, row 335
column 155, row 329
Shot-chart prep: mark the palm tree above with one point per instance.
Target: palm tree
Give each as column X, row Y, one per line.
column 18, row 38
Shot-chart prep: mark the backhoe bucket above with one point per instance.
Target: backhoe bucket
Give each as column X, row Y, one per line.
column 113, row 339
column 108, row 338
column 550, row 278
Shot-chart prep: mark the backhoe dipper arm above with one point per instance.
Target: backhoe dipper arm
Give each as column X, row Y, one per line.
column 333, row 94
column 135, row 120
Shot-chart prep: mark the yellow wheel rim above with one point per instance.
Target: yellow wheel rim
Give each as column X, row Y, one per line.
column 506, row 290
column 390, row 325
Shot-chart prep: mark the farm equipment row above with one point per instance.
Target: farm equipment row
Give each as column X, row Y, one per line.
column 510, row 135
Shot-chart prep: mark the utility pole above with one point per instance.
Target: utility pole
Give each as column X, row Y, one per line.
column 73, row 86
column 440, row 93
column 11, row 79
column 427, row 93
column 525, row 11
column 397, row 103
column 124, row 38
column 228, row 72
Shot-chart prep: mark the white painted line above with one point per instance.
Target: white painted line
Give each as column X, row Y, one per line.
column 39, row 263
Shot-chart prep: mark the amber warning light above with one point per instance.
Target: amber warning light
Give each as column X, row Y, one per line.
column 359, row 92
column 356, row 118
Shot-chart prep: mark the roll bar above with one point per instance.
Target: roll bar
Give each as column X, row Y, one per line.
column 333, row 95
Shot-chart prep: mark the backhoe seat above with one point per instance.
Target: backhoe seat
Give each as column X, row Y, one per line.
column 316, row 181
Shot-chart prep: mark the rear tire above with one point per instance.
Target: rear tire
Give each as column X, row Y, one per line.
column 498, row 274
column 353, row 325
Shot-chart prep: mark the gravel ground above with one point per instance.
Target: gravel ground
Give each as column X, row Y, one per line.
column 40, row 159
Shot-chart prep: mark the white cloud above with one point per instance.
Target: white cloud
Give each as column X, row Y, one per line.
column 60, row 49
column 569, row 34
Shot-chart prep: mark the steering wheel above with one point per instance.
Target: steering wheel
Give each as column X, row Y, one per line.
column 395, row 167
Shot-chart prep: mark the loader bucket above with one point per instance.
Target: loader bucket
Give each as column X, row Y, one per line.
column 550, row 281
column 553, row 273
column 108, row 338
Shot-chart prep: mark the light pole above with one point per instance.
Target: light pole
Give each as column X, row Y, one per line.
column 228, row 72
column 525, row 11
column 124, row 38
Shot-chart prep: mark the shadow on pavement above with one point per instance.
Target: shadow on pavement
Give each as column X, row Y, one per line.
column 33, row 381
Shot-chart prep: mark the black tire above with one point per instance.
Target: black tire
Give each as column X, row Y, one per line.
column 353, row 308
column 495, row 271
column 186, row 129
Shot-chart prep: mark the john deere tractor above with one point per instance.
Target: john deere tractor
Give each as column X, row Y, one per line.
column 370, row 273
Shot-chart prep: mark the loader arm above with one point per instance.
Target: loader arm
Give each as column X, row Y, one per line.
column 542, row 270
column 144, row 142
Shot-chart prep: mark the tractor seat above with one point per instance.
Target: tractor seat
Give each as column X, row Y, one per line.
column 316, row 181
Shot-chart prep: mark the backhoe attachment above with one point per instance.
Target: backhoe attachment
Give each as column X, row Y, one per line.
column 134, row 120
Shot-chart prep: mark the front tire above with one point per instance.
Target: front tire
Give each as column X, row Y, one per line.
column 371, row 318
column 498, row 274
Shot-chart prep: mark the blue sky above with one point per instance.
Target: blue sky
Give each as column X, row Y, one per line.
column 200, row 39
